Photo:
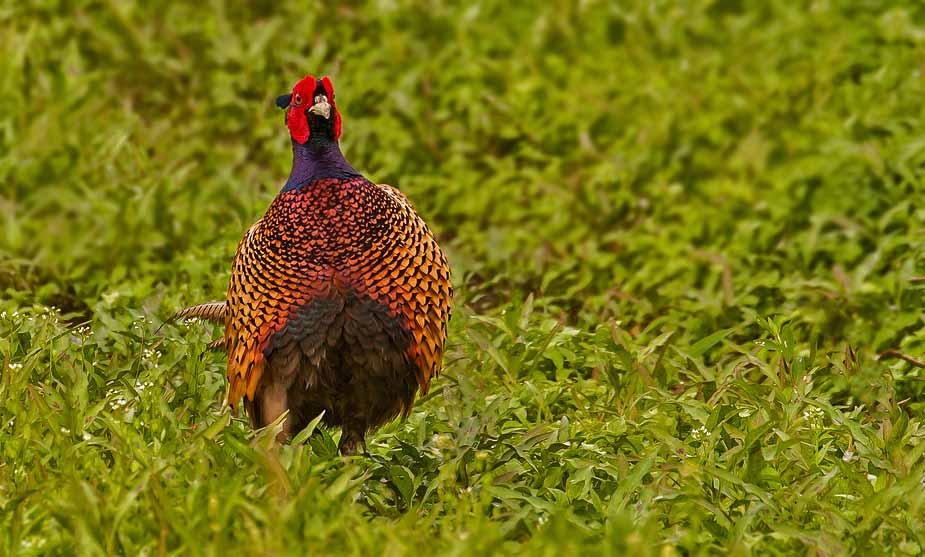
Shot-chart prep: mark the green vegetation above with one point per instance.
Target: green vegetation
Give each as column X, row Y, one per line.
column 681, row 234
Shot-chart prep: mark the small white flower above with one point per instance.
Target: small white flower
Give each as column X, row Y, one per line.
column 50, row 313
column 15, row 314
column 814, row 417
column 871, row 478
column 14, row 366
column 87, row 437
column 65, row 430
column 151, row 357
column 700, row 433
column 745, row 413
column 2, row 315
column 849, row 454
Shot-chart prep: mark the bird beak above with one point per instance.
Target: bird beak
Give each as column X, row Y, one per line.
column 283, row 101
column 321, row 107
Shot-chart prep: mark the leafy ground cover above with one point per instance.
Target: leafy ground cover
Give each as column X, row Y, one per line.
column 682, row 235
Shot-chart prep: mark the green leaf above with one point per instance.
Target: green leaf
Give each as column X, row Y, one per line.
column 703, row 345
column 308, row 430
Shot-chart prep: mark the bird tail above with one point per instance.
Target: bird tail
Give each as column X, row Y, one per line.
column 217, row 344
column 210, row 311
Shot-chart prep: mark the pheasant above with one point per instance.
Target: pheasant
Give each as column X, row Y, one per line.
column 339, row 296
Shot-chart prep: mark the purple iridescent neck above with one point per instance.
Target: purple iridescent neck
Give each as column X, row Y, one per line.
column 315, row 160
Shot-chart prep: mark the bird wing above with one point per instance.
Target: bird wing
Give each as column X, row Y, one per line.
column 265, row 296
column 414, row 280
column 256, row 298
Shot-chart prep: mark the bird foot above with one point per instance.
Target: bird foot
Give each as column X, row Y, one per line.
column 351, row 444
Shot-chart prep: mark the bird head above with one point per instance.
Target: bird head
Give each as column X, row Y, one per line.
column 311, row 110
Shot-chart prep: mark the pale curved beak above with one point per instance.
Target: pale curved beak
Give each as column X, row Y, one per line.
column 321, row 107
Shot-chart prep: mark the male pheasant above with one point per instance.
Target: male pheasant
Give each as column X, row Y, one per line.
column 339, row 296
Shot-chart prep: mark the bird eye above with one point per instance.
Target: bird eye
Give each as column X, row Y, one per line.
column 298, row 99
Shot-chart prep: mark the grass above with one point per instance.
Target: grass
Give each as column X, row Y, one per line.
column 681, row 234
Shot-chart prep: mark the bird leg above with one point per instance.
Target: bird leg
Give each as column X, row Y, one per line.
column 350, row 442
column 273, row 402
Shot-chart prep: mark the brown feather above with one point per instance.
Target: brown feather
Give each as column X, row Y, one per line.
column 210, row 311
column 217, row 344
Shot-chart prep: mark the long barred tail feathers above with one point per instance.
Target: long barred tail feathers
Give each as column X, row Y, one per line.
column 210, row 311
column 217, row 344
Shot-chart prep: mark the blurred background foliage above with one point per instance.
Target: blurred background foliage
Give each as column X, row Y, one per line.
column 661, row 216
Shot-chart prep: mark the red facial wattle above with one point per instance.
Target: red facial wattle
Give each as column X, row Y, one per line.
column 296, row 120
column 302, row 97
column 329, row 88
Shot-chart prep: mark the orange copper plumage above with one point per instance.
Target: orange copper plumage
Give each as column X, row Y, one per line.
column 339, row 296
